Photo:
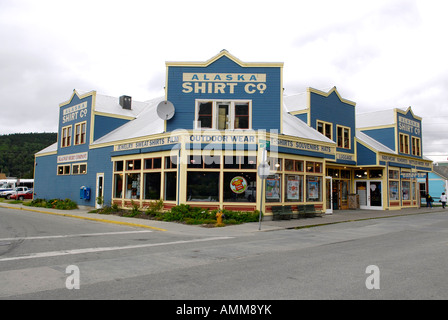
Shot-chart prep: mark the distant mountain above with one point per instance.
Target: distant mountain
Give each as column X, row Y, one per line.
column 17, row 152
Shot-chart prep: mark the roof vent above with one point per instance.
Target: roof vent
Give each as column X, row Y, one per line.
column 126, row 102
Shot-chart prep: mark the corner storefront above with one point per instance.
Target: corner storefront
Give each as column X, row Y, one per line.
column 206, row 152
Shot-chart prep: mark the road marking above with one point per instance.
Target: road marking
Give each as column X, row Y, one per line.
column 73, row 235
column 104, row 249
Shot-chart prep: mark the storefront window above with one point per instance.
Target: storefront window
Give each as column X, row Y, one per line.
column 240, row 162
column 344, row 191
column 204, row 162
column 212, row 162
column 133, row 164
column 315, row 167
column 195, row 162
column 118, row 185
column 333, row 173
column 294, row 188
column 345, row 174
column 151, row 185
column 240, row 187
column 393, row 191
column 414, row 190
column 406, row 190
column 293, row 165
column 118, row 165
column 203, row 186
column 171, row 162
column 132, row 186
column 376, row 174
column 313, row 189
column 170, row 186
column 394, row 174
column 273, row 188
column 275, row 164
column 154, row 163
column 360, row 174
column 289, row 165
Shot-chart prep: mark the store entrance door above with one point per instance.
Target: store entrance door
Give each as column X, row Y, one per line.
column 329, row 194
column 370, row 194
column 99, row 201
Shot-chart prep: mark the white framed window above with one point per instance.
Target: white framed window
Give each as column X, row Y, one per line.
column 404, row 143
column 79, row 168
column 325, row 128
column 416, row 147
column 66, row 140
column 222, row 115
column 80, row 133
column 343, row 137
column 64, row 170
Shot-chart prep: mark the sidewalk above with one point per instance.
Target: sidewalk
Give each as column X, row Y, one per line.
column 247, row 228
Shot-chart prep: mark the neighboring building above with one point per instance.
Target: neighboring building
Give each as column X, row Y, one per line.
column 436, row 182
column 206, row 152
column 391, row 153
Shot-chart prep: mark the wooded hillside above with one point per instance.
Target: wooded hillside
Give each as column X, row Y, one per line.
column 17, row 152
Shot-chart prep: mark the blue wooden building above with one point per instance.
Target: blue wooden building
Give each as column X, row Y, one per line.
column 206, row 150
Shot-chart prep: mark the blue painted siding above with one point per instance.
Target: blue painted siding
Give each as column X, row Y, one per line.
column 265, row 107
column 48, row 185
column 332, row 109
column 100, row 162
column 104, row 125
column 45, row 177
column 365, row 156
column 303, row 117
column 385, row 136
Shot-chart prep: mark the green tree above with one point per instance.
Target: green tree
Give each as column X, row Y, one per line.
column 17, row 152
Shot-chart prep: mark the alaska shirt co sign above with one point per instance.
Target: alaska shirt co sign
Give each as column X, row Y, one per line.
column 74, row 113
column 222, row 83
column 410, row 126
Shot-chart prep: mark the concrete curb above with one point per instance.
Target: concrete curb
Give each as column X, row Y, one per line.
column 84, row 218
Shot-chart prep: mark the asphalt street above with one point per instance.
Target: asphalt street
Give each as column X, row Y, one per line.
column 123, row 259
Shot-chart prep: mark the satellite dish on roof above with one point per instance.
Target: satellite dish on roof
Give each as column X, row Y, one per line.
column 165, row 110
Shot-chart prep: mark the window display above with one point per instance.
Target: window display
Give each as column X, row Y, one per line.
column 203, row 186
column 240, row 187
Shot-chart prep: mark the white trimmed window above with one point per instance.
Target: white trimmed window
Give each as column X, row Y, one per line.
column 343, row 137
column 325, row 128
column 64, row 170
column 80, row 133
column 222, row 115
column 404, row 143
column 416, row 147
column 66, row 139
column 80, row 168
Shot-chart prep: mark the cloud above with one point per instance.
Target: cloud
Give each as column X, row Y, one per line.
column 381, row 54
column 31, row 82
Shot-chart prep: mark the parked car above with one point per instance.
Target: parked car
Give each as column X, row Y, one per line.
column 20, row 193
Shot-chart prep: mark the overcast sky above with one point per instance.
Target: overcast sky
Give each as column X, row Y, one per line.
column 381, row 54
